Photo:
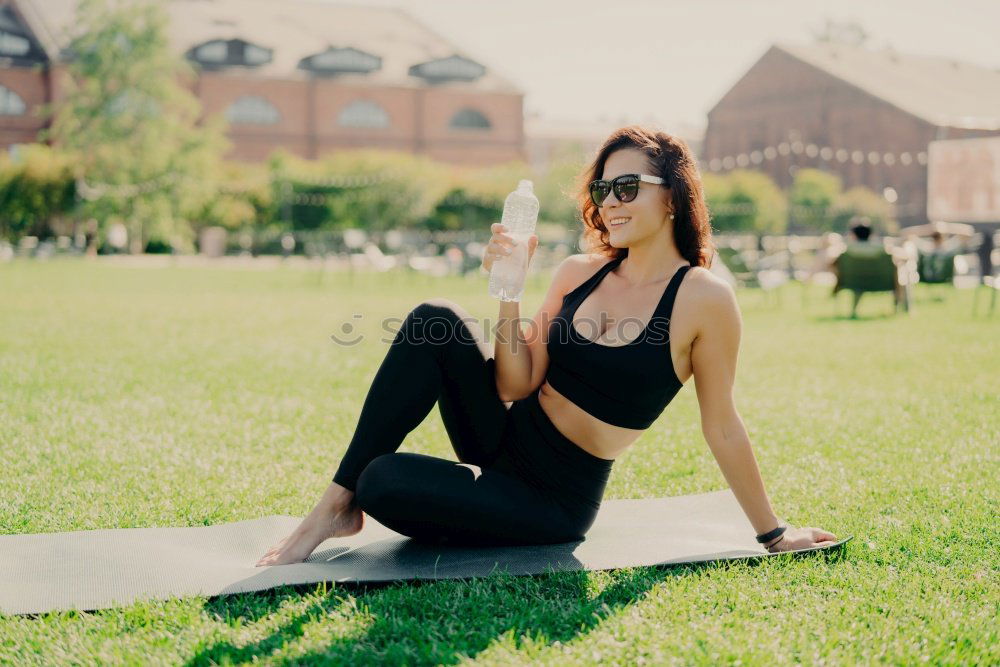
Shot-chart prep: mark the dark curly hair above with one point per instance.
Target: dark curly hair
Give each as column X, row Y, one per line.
column 671, row 159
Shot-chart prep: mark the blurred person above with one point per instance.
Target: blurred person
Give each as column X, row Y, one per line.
column 940, row 247
column 860, row 239
column 537, row 425
column 861, row 242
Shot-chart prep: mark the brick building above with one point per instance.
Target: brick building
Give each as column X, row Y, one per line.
column 308, row 76
column 865, row 115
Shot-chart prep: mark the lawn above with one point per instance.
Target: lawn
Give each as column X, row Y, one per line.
column 185, row 396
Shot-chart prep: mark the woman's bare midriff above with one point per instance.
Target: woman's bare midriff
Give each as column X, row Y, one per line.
column 603, row 440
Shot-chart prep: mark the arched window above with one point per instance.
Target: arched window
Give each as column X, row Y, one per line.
column 469, row 119
column 11, row 103
column 363, row 113
column 252, row 110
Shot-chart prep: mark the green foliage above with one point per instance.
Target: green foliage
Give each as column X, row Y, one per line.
column 812, row 197
column 748, row 201
column 244, row 198
column 369, row 188
column 860, row 201
column 818, row 204
column 379, row 190
column 37, row 192
column 481, row 191
column 132, row 128
column 462, row 210
column 745, row 201
column 556, row 188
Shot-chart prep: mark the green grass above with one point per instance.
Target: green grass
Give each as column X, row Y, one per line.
column 193, row 396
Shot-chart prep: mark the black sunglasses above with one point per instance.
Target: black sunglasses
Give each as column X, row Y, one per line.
column 625, row 187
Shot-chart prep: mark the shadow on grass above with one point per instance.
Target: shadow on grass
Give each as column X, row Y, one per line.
column 443, row 622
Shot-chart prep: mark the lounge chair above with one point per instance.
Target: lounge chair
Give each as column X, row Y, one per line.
column 869, row 272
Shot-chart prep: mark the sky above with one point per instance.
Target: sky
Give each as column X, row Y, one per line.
column 670, row 61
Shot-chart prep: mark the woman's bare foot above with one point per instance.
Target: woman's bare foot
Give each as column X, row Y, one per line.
column 328, row 519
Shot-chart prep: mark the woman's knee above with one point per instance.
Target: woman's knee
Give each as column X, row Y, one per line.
column 441, row 321
column 440, row 302
column 438, row 309
column 375, row 482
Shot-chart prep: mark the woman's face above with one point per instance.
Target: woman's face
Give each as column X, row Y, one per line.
column 646, row 213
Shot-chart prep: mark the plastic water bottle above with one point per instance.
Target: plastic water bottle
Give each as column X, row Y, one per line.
column 520, row 214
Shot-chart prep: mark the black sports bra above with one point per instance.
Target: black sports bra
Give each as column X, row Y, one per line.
column 627, row 385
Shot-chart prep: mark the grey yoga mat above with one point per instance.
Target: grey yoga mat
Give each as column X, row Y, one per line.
column 96, row 569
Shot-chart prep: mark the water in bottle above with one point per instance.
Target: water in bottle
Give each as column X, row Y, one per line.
column 520, row 214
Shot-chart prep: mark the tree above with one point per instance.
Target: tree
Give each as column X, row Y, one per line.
column 36, row 193
column 745, row 200
column 141, row 155
column 556, row 187
column 370, row 189
column 812, row 197
column 460, row 210
column 862, row 202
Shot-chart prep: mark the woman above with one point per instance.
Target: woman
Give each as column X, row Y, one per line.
column 618, row 332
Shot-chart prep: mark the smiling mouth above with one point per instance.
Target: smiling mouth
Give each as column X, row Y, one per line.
column 618, row 223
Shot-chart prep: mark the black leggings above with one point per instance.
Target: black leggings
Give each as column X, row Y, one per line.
column 519, row 480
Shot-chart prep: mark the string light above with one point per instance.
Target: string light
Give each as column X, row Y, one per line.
column 832, row 154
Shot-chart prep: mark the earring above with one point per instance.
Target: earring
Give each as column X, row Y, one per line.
column 671, row 216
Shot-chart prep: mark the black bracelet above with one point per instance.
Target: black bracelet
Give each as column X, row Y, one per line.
column 770, row 535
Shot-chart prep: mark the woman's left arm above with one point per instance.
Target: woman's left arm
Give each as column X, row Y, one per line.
column 713, row 359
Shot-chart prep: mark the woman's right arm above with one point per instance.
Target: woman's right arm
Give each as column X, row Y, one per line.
column 522, row 359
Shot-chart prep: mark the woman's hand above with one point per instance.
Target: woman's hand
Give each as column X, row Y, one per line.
column 500, row 245
column 802, row 538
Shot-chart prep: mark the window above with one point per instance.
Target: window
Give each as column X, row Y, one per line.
column 13, row 45
column 11, row 103
column 455, row 68
column 469, row 119
column 252, row 110
column 212, row 52
column 363, row 113
column 342, row 60
column 255, row 55
column 223, row 52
